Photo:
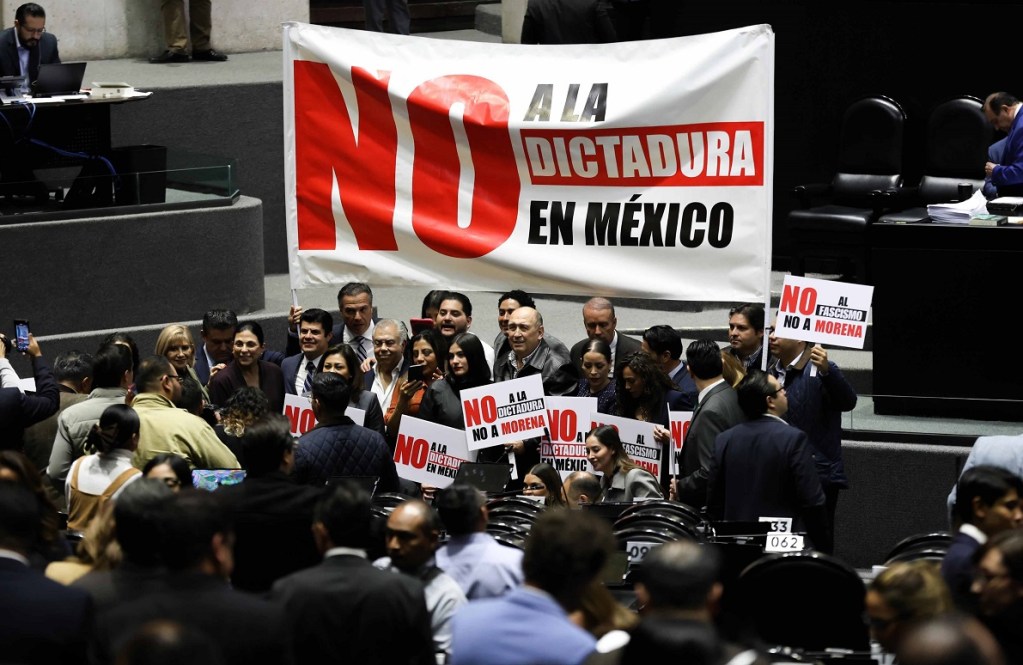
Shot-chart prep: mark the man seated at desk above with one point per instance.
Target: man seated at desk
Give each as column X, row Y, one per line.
column 27, row 45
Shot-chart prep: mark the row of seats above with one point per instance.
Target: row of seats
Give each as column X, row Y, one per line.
column 832, row 219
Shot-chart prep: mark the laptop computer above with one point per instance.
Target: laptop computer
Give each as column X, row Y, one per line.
column 487, row 477
column 59, row 79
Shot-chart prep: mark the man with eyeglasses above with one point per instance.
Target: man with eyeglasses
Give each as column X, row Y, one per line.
column 389, row 339
column 168, row 429
column 27, row 45
column 763, row 467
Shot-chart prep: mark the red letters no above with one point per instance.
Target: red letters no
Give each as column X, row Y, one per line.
column 436, row 167
column 802, row 300
column 326, row 146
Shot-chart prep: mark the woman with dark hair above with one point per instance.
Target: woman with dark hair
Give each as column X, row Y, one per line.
column 596, row 381
column 170, row 469
column 342, row 359
column 623, row 479
column 128, row 341
column 97, row 478
column 544, row 480
column 244, row 407
column 466, row 368
column 429, row 353
column 248, row 369
column 50, row 545
column 644, row 392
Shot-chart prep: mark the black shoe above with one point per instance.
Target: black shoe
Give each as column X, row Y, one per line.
column 209, row 55
column 169, row 56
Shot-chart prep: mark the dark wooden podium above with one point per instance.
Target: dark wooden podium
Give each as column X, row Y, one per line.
column 946, row 318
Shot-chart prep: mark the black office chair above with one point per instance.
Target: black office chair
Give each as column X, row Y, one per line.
column 931, row 546
column 804, row 600
column 683, row 528
column 958, row 137
column 870, row 152
column 664, row 505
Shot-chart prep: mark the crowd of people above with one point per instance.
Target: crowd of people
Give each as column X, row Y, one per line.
column 293, row 561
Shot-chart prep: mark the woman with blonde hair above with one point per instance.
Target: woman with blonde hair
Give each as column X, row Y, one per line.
column 177, row 345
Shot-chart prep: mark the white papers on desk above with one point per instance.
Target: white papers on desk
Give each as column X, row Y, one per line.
column 958, row 213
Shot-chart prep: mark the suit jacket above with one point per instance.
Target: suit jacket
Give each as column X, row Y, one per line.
column 19, row 410
column 10, row 65
column 273, row 519
column 290, row 370
column 346, row 611
column 626, row 347
column 763, row 468
column 245, row 628
column 958, row 570
column 43, row 621
column 552, row 363
column 718, row 411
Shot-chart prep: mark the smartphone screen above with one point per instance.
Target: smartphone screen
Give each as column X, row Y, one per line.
column 21, row 334
column 415, row 373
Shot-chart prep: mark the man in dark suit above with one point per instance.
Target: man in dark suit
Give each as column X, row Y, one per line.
column 217, row 332
column 315, row 326
column 197, row 547
column 763, row 467
column 27, row 45
column 43, row 621
column 355, row 303
column 19, row 410
column 717, row 410
column 601, row 323
column 273, row 515
column 344, row 610
column 664, row 344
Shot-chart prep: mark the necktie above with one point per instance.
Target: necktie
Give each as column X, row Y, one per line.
column 33, row 64
column 357, row 343
column 310, row 370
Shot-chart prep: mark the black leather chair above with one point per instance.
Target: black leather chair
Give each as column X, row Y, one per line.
column 664, row 505
column 804, row 600
column 931, row 546
column 672, row 523
column 870, row 156
column 957, row 140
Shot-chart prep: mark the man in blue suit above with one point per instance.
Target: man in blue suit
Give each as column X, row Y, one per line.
column 27, row 45
column 314, row 335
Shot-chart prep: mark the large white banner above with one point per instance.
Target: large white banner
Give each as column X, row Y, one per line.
column 412, row 160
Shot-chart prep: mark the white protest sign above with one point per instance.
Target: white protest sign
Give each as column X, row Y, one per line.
column 637, row 439
column 357, row 415
column 429, row 453
column 299, row 411
column 678, row 424
column 821, row 311
column 501, row 412
column 568, row 421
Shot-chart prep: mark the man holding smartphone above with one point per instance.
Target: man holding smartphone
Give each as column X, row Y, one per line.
column 20, row 410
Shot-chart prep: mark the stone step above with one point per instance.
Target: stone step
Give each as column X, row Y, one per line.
column 488, row 18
